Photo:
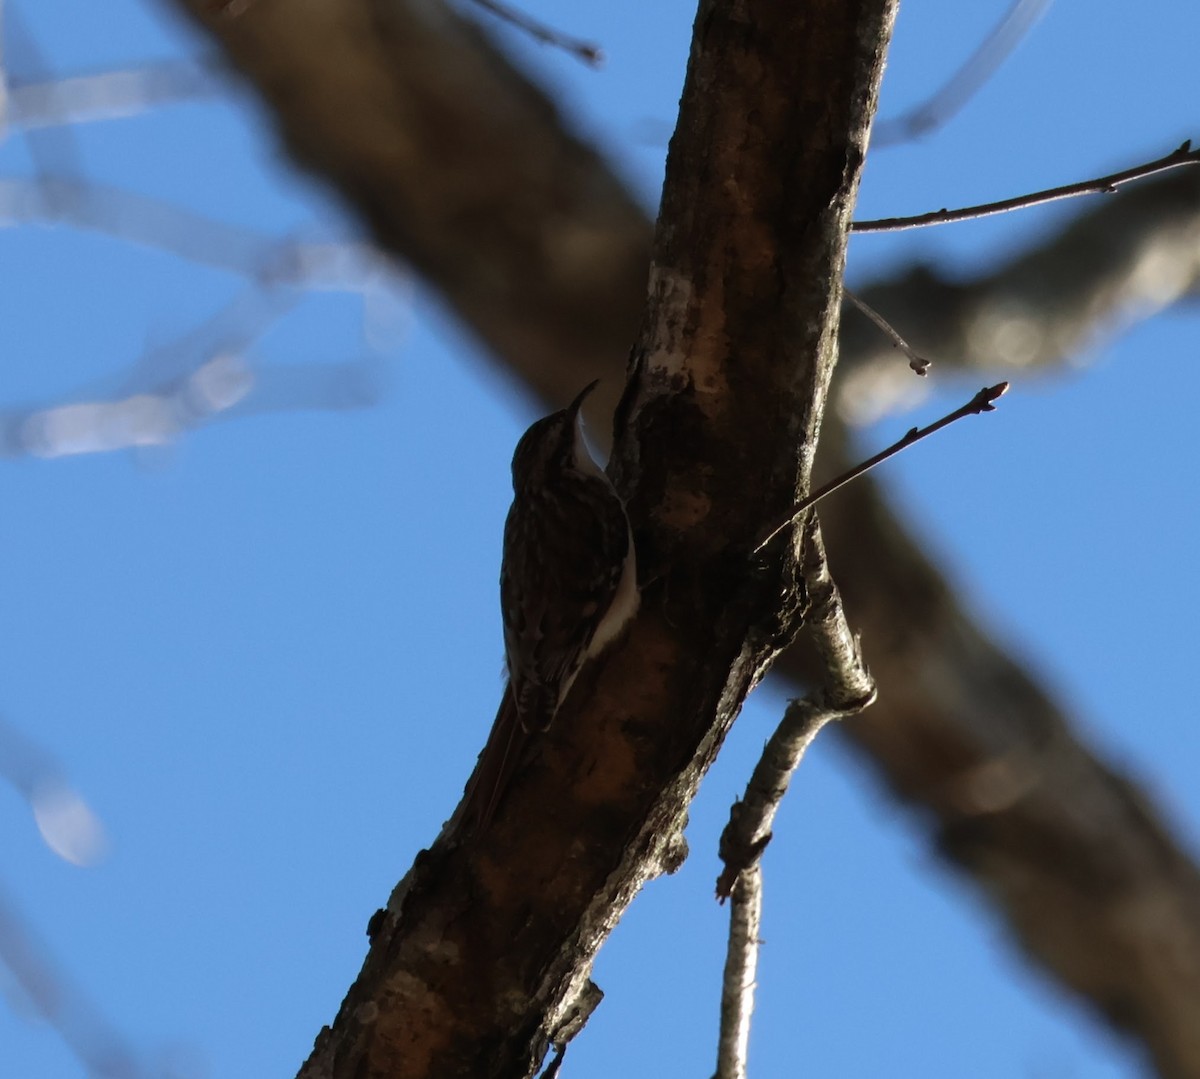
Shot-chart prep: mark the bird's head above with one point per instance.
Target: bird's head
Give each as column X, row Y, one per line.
column 553, row 443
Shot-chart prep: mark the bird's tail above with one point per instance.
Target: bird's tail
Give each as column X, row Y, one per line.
column 496, row 765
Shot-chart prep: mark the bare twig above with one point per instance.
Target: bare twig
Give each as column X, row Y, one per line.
column 956, row 688
column 847, row 689
column 577, row 47
column 981, row 402
column 1185, row 155
column 916, row 361
column 963, row 84
column 741, row 968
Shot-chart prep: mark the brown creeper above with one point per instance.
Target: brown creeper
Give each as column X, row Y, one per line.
column 568, row 584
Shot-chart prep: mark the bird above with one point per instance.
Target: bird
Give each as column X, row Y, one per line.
column 568, row 587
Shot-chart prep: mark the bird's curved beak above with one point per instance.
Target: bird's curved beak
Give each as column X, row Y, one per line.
column 574, row 406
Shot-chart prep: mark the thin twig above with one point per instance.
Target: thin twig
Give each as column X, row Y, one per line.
column 915, row 360
column 981, row 402
column 577, row 47
column 1185, row 155
column 741, row 971
column 847, row 689
column 940, row 106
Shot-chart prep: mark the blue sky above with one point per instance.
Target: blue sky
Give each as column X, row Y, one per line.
column 267, row 652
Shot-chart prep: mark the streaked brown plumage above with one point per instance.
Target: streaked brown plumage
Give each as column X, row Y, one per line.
column 568, row 586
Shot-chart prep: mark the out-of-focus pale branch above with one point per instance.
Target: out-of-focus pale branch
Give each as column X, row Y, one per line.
column 107, row 95
column 341, row 265
column 32, row 99
column 534, row 243
column 1080, row 862
column 975, row 71
column 516, row 221
column 206, row 374
column 71, row 829
column 67, row 824
column 1121, row 260
column 42, row 990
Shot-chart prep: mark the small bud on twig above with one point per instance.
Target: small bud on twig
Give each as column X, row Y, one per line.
column 981, row 402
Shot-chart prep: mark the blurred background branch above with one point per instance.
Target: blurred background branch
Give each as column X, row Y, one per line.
column 540, row 249
column 556, row 238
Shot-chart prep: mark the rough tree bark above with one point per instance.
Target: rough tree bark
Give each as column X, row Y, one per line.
column 481, row 959
column 544, row 256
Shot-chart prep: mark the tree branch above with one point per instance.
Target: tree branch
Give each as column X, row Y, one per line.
column 966, row 80
column 950, row 698
column 847, row 690
column 547, row 35
column 1102, row 185
column 1122, row 261
column 981, row 402
column 741, row 969
column 1088, row 874
column 462, row 193
column 479, row 961
column 917, row 363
